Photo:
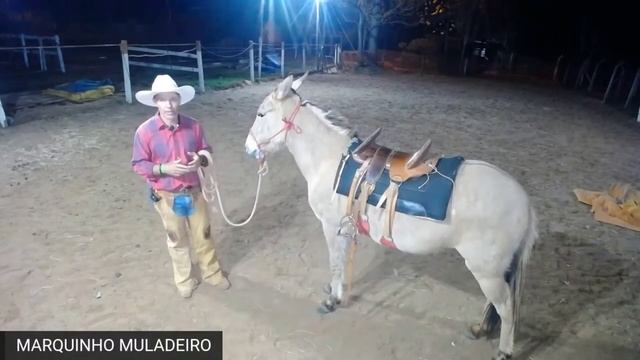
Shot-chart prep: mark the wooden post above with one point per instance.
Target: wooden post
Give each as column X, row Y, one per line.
column 594, row 76
column 3, row 117
column 43, row 60
column 260, row 58
column 24, row 51
column 282, row 59
column 304, row 57
column 251, row 62
column 60, row 59
column 556, row 71
column 611, row 81
column 634, row 89
column 125, row 71
column 200, row 66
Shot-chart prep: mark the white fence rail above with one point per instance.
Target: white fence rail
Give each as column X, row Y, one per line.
column 21, row 42
column 325, row 56
column 151, row 52
column 619, row 78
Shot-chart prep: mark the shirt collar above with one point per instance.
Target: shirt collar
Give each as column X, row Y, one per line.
column 182, row 122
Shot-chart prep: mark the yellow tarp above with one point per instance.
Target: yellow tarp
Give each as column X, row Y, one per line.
column 80, row 97
column 620, row 205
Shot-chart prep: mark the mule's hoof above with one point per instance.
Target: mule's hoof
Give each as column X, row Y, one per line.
column 502, row 356
column 329, row 305
column 475, row 332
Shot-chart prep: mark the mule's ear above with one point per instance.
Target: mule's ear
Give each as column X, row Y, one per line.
column 284, row 88
column 299, row 81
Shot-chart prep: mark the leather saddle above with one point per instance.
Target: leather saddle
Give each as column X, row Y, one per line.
column 402, row 166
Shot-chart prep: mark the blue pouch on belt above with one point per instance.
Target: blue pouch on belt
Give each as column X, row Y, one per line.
column 183, row 204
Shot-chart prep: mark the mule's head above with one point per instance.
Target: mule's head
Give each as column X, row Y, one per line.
column 270, row 127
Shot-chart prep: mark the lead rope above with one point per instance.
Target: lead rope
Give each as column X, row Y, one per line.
column 207, row 190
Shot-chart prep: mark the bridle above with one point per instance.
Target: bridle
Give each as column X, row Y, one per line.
column 208, row 191
column 287, row 126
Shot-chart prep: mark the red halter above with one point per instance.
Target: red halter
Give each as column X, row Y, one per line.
column 286, row 127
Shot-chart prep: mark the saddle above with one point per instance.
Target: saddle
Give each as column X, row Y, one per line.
column 374, row 159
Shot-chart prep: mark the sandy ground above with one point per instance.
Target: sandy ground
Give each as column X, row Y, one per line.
column 82, row 247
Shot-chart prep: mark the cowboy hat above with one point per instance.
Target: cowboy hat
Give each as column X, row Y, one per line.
column 164, row 83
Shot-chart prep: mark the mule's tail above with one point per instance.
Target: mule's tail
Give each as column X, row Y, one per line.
column 514, row 276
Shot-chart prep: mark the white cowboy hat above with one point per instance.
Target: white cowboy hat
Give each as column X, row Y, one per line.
column 164, row 83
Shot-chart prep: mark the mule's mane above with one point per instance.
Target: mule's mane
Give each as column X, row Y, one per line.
column 333, row 120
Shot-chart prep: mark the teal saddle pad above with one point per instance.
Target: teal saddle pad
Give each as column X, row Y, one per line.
column 425, row 196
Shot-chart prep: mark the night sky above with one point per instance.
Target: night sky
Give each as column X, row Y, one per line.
column 545, row 28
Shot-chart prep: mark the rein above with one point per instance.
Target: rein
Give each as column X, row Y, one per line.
column 208, row 190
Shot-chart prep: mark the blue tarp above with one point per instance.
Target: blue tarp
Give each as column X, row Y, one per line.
column 83, row 85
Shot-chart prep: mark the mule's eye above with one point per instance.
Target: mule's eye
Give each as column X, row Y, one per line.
column 260, row 114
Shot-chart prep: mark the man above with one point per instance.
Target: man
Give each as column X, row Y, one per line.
column 165, row 151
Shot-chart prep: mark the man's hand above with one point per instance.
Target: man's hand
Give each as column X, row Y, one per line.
column 175, row 168
column 196, row 160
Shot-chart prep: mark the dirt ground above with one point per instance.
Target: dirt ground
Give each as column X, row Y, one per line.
column 84, row 249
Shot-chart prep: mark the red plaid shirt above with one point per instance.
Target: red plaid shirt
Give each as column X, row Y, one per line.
column 155, row 143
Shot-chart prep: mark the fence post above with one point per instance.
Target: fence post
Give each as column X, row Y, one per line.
column 634, row 89
column 282, row 59
column 200, row 67
column 56, row 38
column 3, row 117
column 43, row 58
column 335, row 55
column 295, row 50
column 611, row 81
column 304, row 57
column 125, row 70
column 260, row 58
column 556, row 70
column 594, row 76
column 24, row 51
column 251, row 62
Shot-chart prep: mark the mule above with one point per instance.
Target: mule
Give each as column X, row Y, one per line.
column 490, row 220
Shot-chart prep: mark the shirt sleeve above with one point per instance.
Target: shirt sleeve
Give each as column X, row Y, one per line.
column 141, row 159
column 203, row 144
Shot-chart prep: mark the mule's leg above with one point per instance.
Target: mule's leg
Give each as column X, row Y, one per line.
column 337, row 245
column 498, row 292
column 488, row 327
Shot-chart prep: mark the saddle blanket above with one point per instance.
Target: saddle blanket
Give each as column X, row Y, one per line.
column 425, row 196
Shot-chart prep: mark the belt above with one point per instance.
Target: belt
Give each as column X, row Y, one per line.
column 183, row 189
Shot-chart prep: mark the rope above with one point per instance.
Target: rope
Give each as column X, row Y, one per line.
column 207, row 191
column 188, row 44
column 227, row 56
column 158, row 55
column 56, row 46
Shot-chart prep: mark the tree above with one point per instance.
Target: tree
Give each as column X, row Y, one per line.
column 377, row 13
column 374, row 14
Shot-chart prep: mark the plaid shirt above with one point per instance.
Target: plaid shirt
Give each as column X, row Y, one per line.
column 154, row 143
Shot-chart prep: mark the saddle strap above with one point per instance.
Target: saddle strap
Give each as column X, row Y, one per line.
column 355, row 183
column 392, row 199
column 365, row 190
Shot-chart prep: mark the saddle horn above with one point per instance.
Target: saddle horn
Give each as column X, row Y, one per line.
column 419, row 156
column 370, row 139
